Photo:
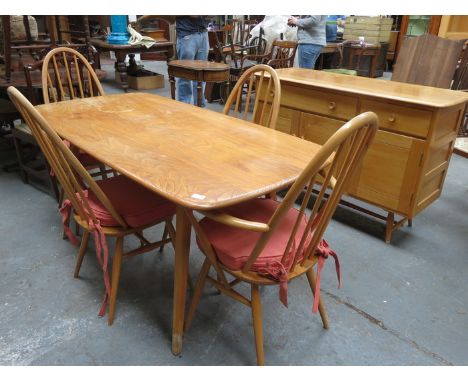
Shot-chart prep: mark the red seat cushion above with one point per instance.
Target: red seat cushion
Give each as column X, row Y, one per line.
column 136, row 204
column 233, row 246
column 87, row 160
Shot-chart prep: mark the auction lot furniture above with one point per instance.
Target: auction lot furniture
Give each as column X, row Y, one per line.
column 405, row 168
column 121, row 51
column 196, row 158
column 198, row 71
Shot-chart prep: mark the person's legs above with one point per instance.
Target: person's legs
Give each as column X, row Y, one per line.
column 186, row 50
column 308, row 54
column 201, row 54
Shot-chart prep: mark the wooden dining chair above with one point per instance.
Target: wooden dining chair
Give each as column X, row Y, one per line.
column 112, row 207
column 67, row 74
column 259, row 79
column 268, row 242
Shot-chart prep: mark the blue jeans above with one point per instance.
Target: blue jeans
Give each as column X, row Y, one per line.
column 191, row 47
column 308, row 54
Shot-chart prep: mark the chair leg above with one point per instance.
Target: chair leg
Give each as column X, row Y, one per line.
column 19, row 156
column 197, row 293
column 81, row 253
column 321, row 306
column 164, row 237
column 116, row 264
column 257, row 324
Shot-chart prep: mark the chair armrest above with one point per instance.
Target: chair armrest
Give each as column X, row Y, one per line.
column 232, row 221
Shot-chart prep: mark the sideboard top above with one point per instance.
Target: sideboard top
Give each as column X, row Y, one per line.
column 390, row 90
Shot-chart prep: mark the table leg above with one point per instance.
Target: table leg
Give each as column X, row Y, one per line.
column 121, row 68
column 182, row 249
column 172, row 82
column 199, row 93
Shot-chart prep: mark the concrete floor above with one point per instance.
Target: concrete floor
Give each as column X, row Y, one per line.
column 404, row 303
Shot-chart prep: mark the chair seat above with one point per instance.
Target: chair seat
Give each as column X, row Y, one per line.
column 87, row 160
column 136, row 204
column 233, row 246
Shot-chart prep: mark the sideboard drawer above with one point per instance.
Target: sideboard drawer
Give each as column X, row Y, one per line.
column 407, row 120
column 320, row 102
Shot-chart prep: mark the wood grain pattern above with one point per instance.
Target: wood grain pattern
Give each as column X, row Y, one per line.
column 195, row 157
column 427, row 60
column 387, row 90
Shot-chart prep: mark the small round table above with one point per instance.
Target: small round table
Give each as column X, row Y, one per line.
column 199, row 71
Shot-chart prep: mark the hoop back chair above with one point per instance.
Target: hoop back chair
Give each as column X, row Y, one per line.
column 115, row 206
column 260, row 79
column 266, row 242
column 67, row 74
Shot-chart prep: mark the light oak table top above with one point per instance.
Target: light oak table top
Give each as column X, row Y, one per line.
column 195, row 157
column 388, row 90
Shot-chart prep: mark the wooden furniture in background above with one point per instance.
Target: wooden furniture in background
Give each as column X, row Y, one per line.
column 357, row 58
column 405, row 168
column 192, row 158
column 113, row 207
column 425, row 25
column 390, row 55
column 121, row 52
column 198, row 71
column 281, row 55
column 454, row 27
column 427, row 60
column 156, row 28
column 284, row 235
column 253, row 80
column 72, row 31
column 460, row 82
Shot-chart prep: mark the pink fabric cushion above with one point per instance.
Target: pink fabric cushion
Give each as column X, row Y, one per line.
column 233, row 246
column 136, row 204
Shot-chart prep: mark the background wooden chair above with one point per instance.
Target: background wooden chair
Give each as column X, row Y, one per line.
column 260, row 79
column 265, row 242
column 66, row 74
column 115, row 207
column 281, row 55
column 71, row 31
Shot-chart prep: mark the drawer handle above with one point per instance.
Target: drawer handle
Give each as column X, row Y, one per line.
column 332, row 105
column 392, row 118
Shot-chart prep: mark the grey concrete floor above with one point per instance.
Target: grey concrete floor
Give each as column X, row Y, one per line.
column 404, row 303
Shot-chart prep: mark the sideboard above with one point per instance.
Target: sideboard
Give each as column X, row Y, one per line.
column 405, row 168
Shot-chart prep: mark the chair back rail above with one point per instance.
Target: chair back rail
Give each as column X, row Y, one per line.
column 67, row 74
column 255, row 80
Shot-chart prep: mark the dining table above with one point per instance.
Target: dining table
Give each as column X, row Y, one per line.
column 199, row 159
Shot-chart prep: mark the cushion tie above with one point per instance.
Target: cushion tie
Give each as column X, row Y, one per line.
column 101, row 247
column 323, row 251
column 65, row 211
column 278, row 272
column 99, row 242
